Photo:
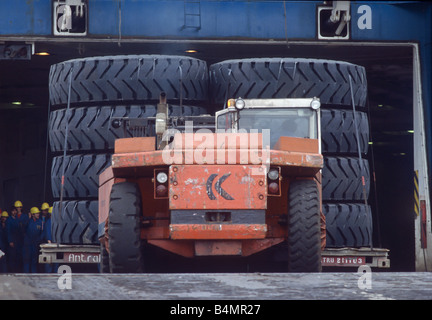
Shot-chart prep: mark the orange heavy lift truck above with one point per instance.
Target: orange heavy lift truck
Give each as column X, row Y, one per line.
column 233, row 192
column 233, row 188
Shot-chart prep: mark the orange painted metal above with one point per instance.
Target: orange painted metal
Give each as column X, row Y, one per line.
column 218, row 149
column 250, row 247
column 218, row 141
column 155, row 232
column 218, row 157
column 217, row 187
column 139, row 144
column 217, row 231
column 185, row 248
column 191, row 164
column 296, row 159
column 137, row 159
column 293, row 144
column 106, row 181
column 218, row 248
column 192, row 248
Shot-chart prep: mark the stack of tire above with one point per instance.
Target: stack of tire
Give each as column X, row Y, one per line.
column 348, row 217
column 84, row 95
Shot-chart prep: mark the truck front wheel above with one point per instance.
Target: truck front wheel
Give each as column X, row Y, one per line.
column 304, row 235
column 125, row 248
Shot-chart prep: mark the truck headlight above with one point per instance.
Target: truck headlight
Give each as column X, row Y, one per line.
column 162, row 177
column 239, row 104
column 273, row 174
column 315, row 104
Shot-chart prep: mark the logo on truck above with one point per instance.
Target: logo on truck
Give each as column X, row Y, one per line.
column 218, row 187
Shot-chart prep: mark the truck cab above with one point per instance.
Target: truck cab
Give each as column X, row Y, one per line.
column 296, row 118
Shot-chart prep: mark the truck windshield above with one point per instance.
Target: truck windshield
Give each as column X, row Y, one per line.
column 288, row 122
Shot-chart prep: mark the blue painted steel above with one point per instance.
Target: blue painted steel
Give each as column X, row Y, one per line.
column 405, row 21
column 220, row 19
column 27, row 18
column 251, row 20
column 391, row 21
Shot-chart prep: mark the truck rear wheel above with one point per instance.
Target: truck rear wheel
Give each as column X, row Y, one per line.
column 304, row 235
column 104, row 260
column 125, row 248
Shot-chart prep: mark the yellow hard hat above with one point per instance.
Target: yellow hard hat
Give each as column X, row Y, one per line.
column 5, row 214
column 45, row 206
column 50, row 209
column 34, row 210
column 18, row 204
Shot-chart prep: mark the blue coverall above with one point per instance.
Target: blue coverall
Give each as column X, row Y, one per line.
column 47, row 236
column 14, row 234
column 3, row 247
column 32, row 240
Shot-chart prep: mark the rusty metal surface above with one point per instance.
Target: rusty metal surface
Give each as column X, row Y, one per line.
column 138, row 144
column 217, row 231
column 219, row 148
column 310, row 161
column 226, row 247
column 297, row 144
column 217, row 187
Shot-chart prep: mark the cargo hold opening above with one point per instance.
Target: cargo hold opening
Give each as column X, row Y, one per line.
column 25, row 166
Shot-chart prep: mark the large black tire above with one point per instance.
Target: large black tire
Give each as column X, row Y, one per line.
column 348, row 225
column 77, row 223
column 90, row 127
column 338, row 131
column 125, row 245
column 104, row 266
column 128, row 78
column 304, row 234
column 266, row 78
column 81, row 176
column 342, row 179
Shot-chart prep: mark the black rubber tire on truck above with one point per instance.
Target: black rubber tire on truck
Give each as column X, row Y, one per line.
column 104, row 266
column 271, row 78
column 77, row 223
column 348, row 225
column 125, row 245
column 304, row 233
column 128, row 78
